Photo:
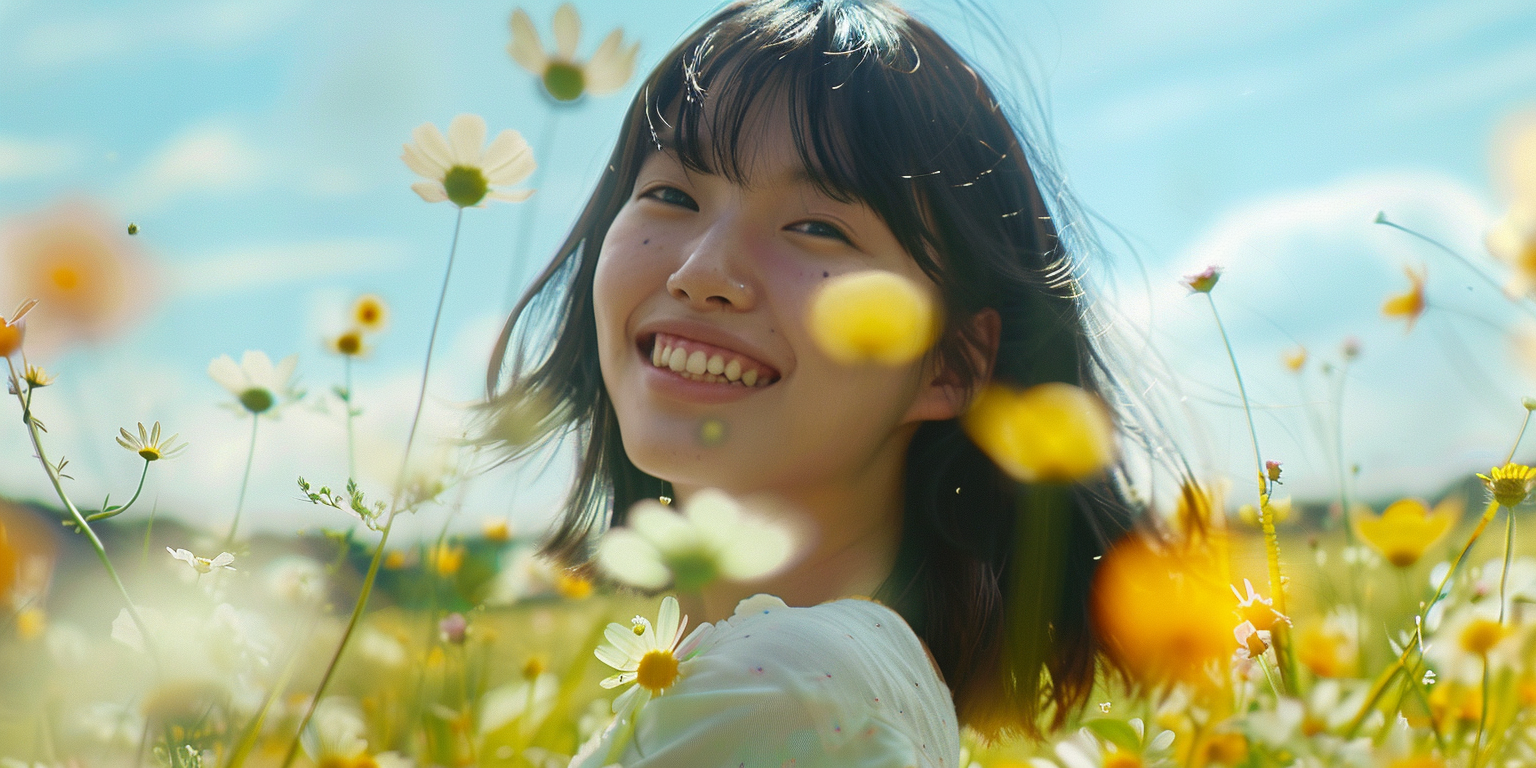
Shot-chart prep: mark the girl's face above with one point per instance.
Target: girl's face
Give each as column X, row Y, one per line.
column 701, row 295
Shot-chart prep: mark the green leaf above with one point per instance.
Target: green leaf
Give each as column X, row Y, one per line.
column 1117, row 732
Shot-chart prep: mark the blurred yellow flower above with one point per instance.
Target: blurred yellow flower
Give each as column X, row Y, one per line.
column 1407, row 527
column 448, row 559
column 349, row 344
column 12, row 331
column 1408, row 305
column 1280, row 507
column 1330, row 648
column 1164, row 617
column 148, row 444
column 496, row 529
column 564, row 78
column 10, row 567
column 1295, row 359
column 572, row 586
column 89, row 279
column 456, row 169
column 394, row 560
column 1052, row 432
column 31, row 623
column 872, row 316
column 1512, row 239
column 1509, row 484
column 370, row 313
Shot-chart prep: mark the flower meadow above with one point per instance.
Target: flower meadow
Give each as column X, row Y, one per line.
column 1242, row 627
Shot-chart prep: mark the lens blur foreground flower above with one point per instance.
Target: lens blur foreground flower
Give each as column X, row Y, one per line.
column 258, row 386
column 872, row 316
column 713, row 539
column 1407, row 528
column 563, row 77
column 370, row 314
column 91, row 282
column 651, row 657
column 1408, row 305
column 457, row 170
column 12, row 332
column 1052, row 432
column 1165, row 617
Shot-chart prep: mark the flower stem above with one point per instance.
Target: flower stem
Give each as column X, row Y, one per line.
column 79, row 519
column 105, row 513
column 530, row 209
column 1525, row 422
column 426, row 367
column 245, row 480
column 346, row 361
column 357, row 613
column 1381, row 218
column 1280, row 637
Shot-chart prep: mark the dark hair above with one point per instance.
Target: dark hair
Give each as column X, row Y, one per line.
column 887, row 113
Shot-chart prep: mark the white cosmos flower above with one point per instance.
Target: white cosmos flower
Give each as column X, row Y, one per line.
column 564, row 78
column 257, row 385
column 652, row 657
column 712, row 539
column 203, row 564
column 458, row 170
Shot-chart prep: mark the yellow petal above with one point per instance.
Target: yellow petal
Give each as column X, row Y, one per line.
column 872, row 317
column 1051, row 432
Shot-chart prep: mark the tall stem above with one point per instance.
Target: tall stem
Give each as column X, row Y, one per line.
column 105, row 513
column 531, row 208
column 426, row 367
column 1381, row 218
column 80, row 521
column 346, row 362
column 245, row 481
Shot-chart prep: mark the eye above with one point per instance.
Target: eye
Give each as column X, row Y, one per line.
column 671, row 196
column 817, row 228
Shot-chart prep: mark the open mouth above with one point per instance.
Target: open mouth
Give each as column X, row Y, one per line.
column 698, row 361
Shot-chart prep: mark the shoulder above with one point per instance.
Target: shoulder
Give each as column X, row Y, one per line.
column 847, row 681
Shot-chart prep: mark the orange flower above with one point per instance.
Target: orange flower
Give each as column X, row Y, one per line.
column 1411, row 304
column 90, row 281
column 1165, row 617
column 12, row 331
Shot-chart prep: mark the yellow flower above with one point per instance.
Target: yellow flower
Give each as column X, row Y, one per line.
column 1280, row 507
column 1052, row 432
column 148, row 444
column 10, row 567
column 1509, row 484
column 1480, row 635
column 564, row 78
column 872, row 316
column 370, row 313
column 1407, row 528
column 394, row 560
column 1330, row 648
column 1295, row 359
column 349, row 344
column 1196, row 509
column 1513, row 238
column 1164, row 617
column 12, row 331
column 496, row 529
column 31, row 623
column 35, row 376
column 456, row 169
column 89, row 279
column 572, row 586
column 1408, row 305
column 448, row 559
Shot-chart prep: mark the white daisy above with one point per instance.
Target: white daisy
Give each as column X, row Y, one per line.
column 258, row 385
column 148, row 444
column 564, row 78
column 714, row 538
column 203, row 564
column 456, row 169
column 649, row 656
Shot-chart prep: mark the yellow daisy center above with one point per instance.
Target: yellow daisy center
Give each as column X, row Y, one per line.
column 1122, row 760
column 150, row 453
column 1481, row 635
column 465, row 185
column 349, row 343
column 657, row 671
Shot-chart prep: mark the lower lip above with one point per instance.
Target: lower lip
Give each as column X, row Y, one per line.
column 666, row 382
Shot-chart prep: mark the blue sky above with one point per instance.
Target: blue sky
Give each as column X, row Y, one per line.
column 256, row 144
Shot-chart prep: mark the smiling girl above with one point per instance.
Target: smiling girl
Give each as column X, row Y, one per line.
column 784, row 143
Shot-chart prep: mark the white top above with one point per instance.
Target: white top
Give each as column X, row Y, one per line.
column 845, row 683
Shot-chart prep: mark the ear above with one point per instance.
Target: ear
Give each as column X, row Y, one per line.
column 944, row 395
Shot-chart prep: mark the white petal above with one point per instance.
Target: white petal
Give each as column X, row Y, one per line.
column 615, row 658
column 715, row 514
column 626, row 642
column 631, row 559
column 614, row 681
column 223, row 560
column 611, row 66
column 1161, row 741
column 666, row 623
column 525, row 48
column 630, row 700
column 432, row 144
column 667, row 530
column 182, row 555
column 695, row 640
column 430, row 191
column 509, row 195
column 283, row 377
column 759, row 549
column 466, row 135
column 567, row 31
column 126, row 631
column 508, row 147
column 1074, row 755
column 226, row 372
column 258, row 368
column 420, row 164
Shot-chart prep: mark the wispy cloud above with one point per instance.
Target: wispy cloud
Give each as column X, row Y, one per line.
column 212, row 157
column 81, row 38
column 254, row 267
column 33, row 158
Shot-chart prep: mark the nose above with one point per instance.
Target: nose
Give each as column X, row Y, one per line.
column 712, row 277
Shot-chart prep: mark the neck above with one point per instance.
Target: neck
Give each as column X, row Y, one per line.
column 856, row 525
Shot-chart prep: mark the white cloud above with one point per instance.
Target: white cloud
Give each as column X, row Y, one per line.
column 259, row 266
column 208, row 158
column 31, row 158
column 81, row 38
column 1311, row 268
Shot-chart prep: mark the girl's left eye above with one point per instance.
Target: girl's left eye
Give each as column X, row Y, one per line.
column 817, row 228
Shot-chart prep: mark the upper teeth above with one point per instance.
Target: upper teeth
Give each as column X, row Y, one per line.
column 711, row 368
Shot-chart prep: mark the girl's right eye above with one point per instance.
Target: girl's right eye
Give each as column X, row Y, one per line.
column 672, row 196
